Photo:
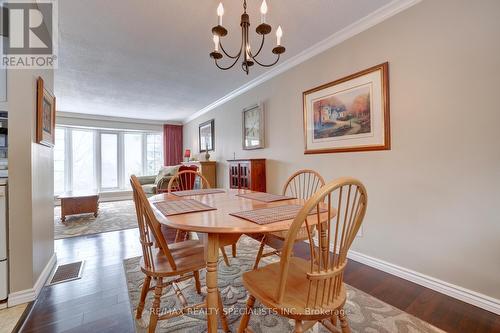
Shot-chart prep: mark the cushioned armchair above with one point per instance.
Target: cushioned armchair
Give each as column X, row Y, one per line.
column 159, row 183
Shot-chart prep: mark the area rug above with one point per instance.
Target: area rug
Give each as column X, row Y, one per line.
column 365, row 313
column 116, row 215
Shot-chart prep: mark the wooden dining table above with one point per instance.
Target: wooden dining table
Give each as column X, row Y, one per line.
column 222, row 229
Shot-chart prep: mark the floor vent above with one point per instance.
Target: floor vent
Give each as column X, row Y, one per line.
column 67, row 272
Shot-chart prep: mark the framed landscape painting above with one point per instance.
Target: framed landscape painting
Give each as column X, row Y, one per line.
column 349, row 114
column 45, row 115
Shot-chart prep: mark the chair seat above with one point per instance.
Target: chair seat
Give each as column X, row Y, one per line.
column 263, row 284
column 189, row 256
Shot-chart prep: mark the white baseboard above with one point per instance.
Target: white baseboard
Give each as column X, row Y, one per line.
column 28, row 295
column 465, row 295
column 468, row 296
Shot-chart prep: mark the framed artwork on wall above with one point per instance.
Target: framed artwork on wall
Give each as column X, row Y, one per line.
column 253, row 127
column 349, row 114
column 206, row 136
column 45, row 115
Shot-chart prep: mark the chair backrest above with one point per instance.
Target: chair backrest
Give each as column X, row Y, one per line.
column 185, row 180
column 344, row 201
column 148, row 225
column 303, row 184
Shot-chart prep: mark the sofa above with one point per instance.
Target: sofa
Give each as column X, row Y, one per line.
column 159, row 183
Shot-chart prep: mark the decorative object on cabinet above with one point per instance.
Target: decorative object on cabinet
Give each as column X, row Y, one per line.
column 249, row 174
column 45, row 115
column 208, row 169
column 206, row 136
column 187, row 155
column 253, row 127
column 349, row 114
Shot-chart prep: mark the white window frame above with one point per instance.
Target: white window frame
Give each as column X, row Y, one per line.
column 122, row 183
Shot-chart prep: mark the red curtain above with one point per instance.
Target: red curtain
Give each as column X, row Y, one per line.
column 172, row 144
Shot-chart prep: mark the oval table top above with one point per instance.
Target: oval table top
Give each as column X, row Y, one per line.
column 219, row 221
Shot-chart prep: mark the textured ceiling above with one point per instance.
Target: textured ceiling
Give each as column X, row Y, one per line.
column 149, row 59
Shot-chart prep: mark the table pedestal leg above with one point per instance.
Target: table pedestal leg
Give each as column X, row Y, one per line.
column 211, row 280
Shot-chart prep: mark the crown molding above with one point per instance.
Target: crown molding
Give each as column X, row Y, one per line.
column 75, row 115
column 365, row 23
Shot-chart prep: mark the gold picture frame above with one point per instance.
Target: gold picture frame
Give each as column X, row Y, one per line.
column 350, row 114
column 45, row 115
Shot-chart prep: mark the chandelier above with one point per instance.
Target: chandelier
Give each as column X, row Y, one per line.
column 248, row 57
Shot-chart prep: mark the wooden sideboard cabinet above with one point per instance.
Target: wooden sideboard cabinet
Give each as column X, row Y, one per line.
column 248, row 174
column 208, row 169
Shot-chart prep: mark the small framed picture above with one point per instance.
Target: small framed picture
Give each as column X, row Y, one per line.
column 253, row 127
column 350, row 114
column 45, row 115
column 206, row 136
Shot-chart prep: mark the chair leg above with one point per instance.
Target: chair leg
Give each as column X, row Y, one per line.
column 197, row 283
column 246, row 316
column 224, row 255
column 344, row 324
column 259, row 254
column 177, row 236
column 155, row 310
column 298, row 326
column 222, row 315
column 142, row 301
column 233, row 248
column 333, row 320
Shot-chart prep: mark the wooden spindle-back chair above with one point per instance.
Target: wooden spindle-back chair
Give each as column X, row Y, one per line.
column 301, row 185
column 313, row 290
column 176, row 262
column 185, row 181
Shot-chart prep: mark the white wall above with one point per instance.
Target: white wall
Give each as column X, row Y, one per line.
column 31, row 172
column 434, row 198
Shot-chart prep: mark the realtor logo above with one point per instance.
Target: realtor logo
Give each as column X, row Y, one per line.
column 30, row 29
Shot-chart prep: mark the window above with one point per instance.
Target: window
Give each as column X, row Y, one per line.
column 59, row 161
column 133, row 156
column 109, row 160
column 87, row 159
column 83, row 160
column 154, row 153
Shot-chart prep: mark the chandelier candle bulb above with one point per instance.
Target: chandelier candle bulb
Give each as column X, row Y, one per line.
column 220, row 12
column 263, row 11
column 216, row 43
column 279, row 34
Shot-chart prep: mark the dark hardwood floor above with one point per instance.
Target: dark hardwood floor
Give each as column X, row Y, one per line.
column 99, row 301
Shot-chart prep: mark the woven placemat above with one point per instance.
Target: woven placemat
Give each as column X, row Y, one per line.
column 264, row 197
column 185, row 206
column 273, row 214
column 198, row 192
